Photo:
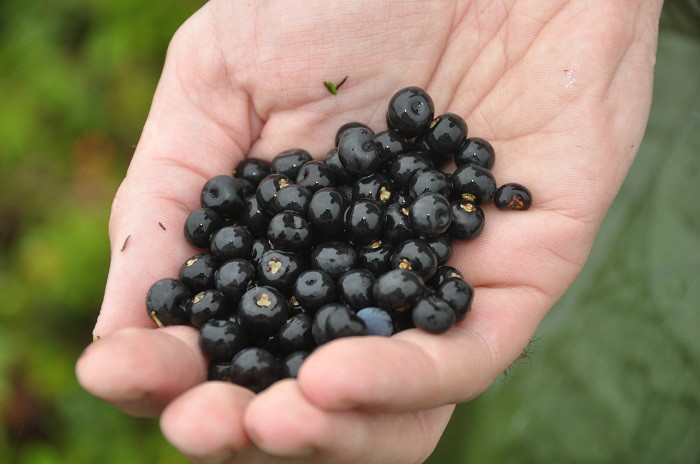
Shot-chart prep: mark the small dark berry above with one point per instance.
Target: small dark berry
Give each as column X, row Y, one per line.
column 262, row 311
column 166, row 301
column 289, row 162
column 255, row 369
column 433, row 315
column 512, row 196
column 467, row 220
column 410, row 111
column 476, row 151
column 200, row 225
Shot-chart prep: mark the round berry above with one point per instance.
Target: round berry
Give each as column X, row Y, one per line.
column 410, row 111
column 314, row 289
column 253, row 217
column 429, row 181
column 263, row 310
column 205, row 306
column 433, row 315
column 314, row 175
column 405, row 166
column 397, row 224
column 253, row 170
column 442, row 246
column 326, row 212
column 268, row 189
column 333, row 258
column 363, row 221
column 397, row 290
column 295, row 334
column 233, row 278
column 293, row 198
column 289, row 231
column 373, row 187
column 319, row 329
column 200, row 225
column 390, row 144
column 289, row 162
column 231, row 242
column 375, row 257
column 165, row 302
column 445, row 135
column 344, row 323
column 342, row 175
column 357, row 151
column 458, row 294
column 377, row 321
column 355, row 288
column 255, row 369
column 292, row 364
column 443, row 274
column 220, row 339
column 430, row 215
column 280, row 269
column 473, row 183
column 417, row 256
column 223, row 195
column 345, row 127
column 197, row 273
column 512, row 196
column 467, row 221
column 476, row 151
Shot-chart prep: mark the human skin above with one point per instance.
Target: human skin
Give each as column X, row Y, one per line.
column 561, row 88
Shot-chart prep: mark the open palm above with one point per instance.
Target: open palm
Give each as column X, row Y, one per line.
column 561, row 88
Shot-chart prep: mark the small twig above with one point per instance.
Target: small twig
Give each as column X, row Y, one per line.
column 162, row 226
column 126, row 241
column 333, row 88
column 337, row 87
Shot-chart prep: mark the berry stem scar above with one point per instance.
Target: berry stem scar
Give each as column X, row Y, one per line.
column 333, row 88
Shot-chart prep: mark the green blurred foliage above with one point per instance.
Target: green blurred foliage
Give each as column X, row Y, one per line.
column 613, row 376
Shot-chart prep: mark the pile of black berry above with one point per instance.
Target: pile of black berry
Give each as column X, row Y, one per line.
column 303, row 252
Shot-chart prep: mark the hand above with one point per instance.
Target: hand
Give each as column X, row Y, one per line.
column 561, row 88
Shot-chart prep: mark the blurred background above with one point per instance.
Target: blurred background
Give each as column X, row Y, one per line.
column 613, row 374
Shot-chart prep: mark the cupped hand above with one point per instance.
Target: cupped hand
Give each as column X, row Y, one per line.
column 561, row 88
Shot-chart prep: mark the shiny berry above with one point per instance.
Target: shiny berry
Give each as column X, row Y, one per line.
column 397, row 224
column 314, row 289
column 363, row 221
column 205, row 306
column 373, row 187
column 197, row 273
column 220, row 339
column 405, row 166
column 473, row 183
column 416, row 255
column 231, row 242
column 377, row 321
column 458, row 294
column 342, row 175
column 289, row 162
column 433, row 315
column 314, row 175
column 467, row 220
column 390, row 145
column 442, row 246
column 292, row 363
column 445, row 135
column 355, row 288
column 476, row 151
column 512, row 196
column 253, row 170
column 333, row 258
column 296, row 335
column 319, row 329
column 200, row 225
column 410, row 111
column 326, row 212
column 280, row 269
column 430, row 215
column 293, row 198
column 166, row 301
column 255, row 369
column 268, row 189
column 263, row 310
column 233, row 278
column 223, row 194
column 289, row 231
column 375, row 257
column 343, row 322
column 345, row 127
column 254, row 218
column 429, row 181
column 443, row 274
column 398, row 289
column 357, row 151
